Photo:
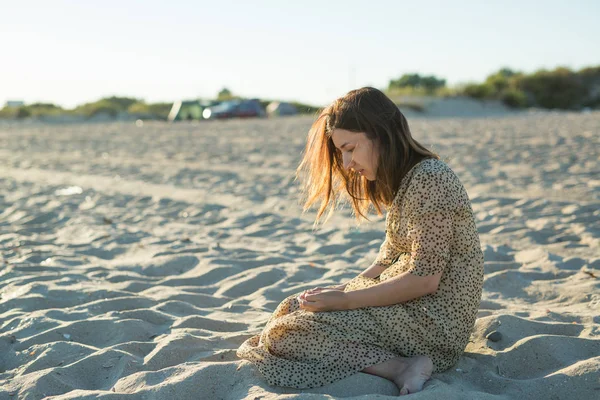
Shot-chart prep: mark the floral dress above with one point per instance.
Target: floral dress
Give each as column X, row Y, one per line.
column 430, row 228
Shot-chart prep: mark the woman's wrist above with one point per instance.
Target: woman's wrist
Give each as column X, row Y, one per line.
column 350, row 301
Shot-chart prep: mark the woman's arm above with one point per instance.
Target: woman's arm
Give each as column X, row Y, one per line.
column 400, row 288
column 373, row 271
column 430, row 205
column 430, row 228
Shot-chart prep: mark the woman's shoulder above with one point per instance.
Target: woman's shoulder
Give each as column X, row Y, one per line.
column 432, row 165
column 432, row 171
column 434, row 185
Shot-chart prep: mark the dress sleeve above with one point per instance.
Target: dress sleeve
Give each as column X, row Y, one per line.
column 432, row 201
column 387, row 253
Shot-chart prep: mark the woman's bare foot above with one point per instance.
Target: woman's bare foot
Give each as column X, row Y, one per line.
column 412, row 378
column 408, row 373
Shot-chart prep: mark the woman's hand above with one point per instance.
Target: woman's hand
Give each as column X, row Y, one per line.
column 340, row 287
column 323, row 299
column 320, row 289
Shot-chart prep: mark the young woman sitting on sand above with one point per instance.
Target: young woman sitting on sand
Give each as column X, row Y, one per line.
column 412, row 311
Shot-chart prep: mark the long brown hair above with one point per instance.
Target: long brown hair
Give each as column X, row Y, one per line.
column 365, row 110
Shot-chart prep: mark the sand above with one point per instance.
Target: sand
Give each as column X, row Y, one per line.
column 135, row 260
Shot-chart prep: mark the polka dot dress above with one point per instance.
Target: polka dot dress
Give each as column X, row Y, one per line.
column 430, row 229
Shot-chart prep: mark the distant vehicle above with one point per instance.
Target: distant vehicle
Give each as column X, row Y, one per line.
column 189, row 109
column 235, row 109
column 279, row 108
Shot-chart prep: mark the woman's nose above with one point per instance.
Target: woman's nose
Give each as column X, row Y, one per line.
column 348, row 160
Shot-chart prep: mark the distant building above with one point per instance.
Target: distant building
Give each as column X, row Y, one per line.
column 14, row 104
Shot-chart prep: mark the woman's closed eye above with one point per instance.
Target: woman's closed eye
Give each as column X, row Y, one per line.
column 341, row 152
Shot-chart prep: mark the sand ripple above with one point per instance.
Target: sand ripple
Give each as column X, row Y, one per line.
column 136, row 260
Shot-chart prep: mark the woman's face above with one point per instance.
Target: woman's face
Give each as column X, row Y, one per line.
column 359, row 153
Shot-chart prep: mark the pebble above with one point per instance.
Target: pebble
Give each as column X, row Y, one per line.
column 494, row 336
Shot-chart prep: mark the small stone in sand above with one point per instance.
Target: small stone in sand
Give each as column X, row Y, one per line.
column 494, row 336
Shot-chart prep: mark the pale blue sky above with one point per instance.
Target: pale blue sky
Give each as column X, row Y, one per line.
column 73, row 51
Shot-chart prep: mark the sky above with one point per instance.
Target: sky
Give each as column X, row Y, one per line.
column 69, row 52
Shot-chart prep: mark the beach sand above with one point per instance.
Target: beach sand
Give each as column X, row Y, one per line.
column 136, row 260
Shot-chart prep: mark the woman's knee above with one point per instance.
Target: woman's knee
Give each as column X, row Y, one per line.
column 287, row 306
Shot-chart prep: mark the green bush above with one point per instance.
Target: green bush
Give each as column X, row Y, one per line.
column 8, row 112
column 447, row 91
column 514, row 98
column 109, row 105
column 501, row 80
column 100, row 107
column 44, row 109
column 32, row 110
column 225, row 94
column 120, row 103
column 560, row 88
column 479, row 90
column 429, row 84
column 160, row 110
column 22, row 112
column 139, row 108
column 590, row 78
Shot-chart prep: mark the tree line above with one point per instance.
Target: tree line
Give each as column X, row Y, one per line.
column 561, row 88
column 115, row 106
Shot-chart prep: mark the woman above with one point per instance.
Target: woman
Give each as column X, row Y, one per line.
column 412, row 311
